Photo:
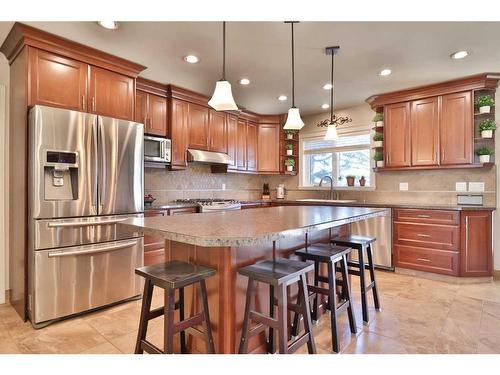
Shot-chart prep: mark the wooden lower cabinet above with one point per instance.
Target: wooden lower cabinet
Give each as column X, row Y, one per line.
column 476, row 245
column 430, row 260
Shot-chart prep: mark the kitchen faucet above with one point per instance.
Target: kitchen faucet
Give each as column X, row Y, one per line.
column 333, row 194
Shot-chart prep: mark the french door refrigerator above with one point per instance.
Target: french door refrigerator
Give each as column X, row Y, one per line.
column 85, row 176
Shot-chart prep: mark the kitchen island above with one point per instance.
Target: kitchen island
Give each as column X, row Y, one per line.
column 230, row 240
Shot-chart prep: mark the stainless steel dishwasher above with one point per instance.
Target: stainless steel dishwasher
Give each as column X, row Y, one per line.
column 380, row 227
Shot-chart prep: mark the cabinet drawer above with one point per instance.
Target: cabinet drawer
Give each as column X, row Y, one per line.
column 429, row 260
column 427, row 216
column 442, row 237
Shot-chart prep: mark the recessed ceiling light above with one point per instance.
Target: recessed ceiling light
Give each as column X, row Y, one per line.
column 385, row 72
column 244, row 81
column 282, row 98
column 110, row 25
column 459, row 55
column 327, row 86
column 192, row 59
column 325, row 106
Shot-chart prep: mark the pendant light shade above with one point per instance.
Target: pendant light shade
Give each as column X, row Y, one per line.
column 293, row 121
column 222, row 98
column 331, row 133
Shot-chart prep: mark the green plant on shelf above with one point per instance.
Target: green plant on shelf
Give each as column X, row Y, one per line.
column 482, row 151
column 378, row 156
column 378, row 117
column 485, row 101
column 289, row 146
column 292, row 132
column 290, row 162
column 487, row 124
column 378, row 137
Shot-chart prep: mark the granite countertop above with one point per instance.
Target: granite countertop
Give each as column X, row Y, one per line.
column 249, row 227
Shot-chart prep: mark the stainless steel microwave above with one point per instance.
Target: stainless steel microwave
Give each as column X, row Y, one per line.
column 157, row 150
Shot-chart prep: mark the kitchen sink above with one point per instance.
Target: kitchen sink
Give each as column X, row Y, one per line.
column 327, row 200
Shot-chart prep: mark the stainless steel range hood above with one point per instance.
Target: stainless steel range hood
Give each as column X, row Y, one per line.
column 208, row 157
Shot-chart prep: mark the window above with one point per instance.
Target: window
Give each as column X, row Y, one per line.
column 347, row 156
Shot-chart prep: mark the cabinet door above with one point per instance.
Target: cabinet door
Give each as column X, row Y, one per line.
column 268, row 148
column 252, row 135
column 198, row 126
column 476, row 249
column 217, row 131
column 154, row 248
column 141, row 108
column 425, row 132
column 157, row 116
column 111, row 94
column 232, row 129
column 456, row 129
column 241, row 146
column 397, row 135
column 57, row 81
column 179, row 133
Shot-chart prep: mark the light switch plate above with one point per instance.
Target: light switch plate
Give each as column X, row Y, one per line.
column 476, row 187
column 461, row 186
column 223, row 186
column 403, row 186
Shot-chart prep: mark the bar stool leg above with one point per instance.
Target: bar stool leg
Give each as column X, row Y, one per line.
column 372, row 276
column 316, row 298
column 332, row 300
column 306, row 311
column 248, row 306
column 362, row 282
column 271, row 343
column 143, row 322
column 207, row 326
column 346, row 291
column 169, row 309
column 181, row 318
column 282, row 319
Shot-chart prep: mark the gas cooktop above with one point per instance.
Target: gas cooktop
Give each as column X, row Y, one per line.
column 208, row 205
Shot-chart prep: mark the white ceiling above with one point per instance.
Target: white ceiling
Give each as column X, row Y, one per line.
column 417, row 52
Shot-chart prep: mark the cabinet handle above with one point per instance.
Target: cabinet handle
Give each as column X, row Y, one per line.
column 466, row 235
column 423, row 260
column 424, row 216
column 423, row 235
column 93, row 104
column 83, row 102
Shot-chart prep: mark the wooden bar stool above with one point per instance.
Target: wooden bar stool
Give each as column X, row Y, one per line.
column 330, row 255
column 171, row 276
column 362, row 244
column 278, row 274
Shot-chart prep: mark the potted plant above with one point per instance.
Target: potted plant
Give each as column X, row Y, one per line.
column 484, row 154
column 350, row 180
column 378, row 139
column 379, row 120
column 290, row 163
column 485, row 102
column 289, row 149
column 290, row 133
column 379, row 159
column 362, row 181
column 486, row 127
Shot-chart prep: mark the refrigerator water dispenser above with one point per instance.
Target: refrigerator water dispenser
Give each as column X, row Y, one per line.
column 61, row 175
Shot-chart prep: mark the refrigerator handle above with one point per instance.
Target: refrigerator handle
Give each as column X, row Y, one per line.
column 94, row 163
column 102, row 164
column 104, row 249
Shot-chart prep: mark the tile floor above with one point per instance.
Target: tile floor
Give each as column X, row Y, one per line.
column 418, row 316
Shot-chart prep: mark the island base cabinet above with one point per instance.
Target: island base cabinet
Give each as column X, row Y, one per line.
column 476, row 248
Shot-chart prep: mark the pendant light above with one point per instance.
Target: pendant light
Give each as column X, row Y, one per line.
column 222, row 99
column 334, row 121
column 293, row 120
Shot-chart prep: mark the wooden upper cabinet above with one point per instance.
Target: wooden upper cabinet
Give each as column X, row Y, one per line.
column 198, row 126
column 425, row 132
column 456, row 129
column 217, row 131
column 178, row 133
column 397, row 135
column 141, row 107
column 157, row 115
column 57, row 81
column 111, row 94
column 252, row 136
column 268, row 148
column 241, row 145
column 475, row 239
column 232, row 131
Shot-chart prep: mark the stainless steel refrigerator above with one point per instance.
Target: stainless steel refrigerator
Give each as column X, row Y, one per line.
column 85, row 176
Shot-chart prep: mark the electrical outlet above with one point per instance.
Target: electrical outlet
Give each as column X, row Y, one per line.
column 476, row 187
column 461, row 186
column 403, row 186
column 223, row 186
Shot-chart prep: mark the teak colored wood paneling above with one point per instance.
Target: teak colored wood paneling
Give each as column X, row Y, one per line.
column 397, row 135
column 198, row 126
column 425, row 132
column 456, row 129
column 441, row 217
column 241, row 146
column 57, row 81
column 178, row 115
column 232, row 134
column 157, row 116
column 268, row 148
column 429, row 260
column 476, row 249
column 252, row 136
column 444, row 237
column 141, row 107
column 217, row 131
column 111, row 94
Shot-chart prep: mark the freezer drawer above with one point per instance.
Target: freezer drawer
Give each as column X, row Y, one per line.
column 49, row 234
column 76, row 279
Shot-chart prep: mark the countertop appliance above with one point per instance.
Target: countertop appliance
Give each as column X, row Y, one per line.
column 214, row 205
column 157, row 150
column 85, row 176
column 280, row 191
column 380, row 227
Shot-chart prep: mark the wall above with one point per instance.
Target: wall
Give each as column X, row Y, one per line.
column 4, row 118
